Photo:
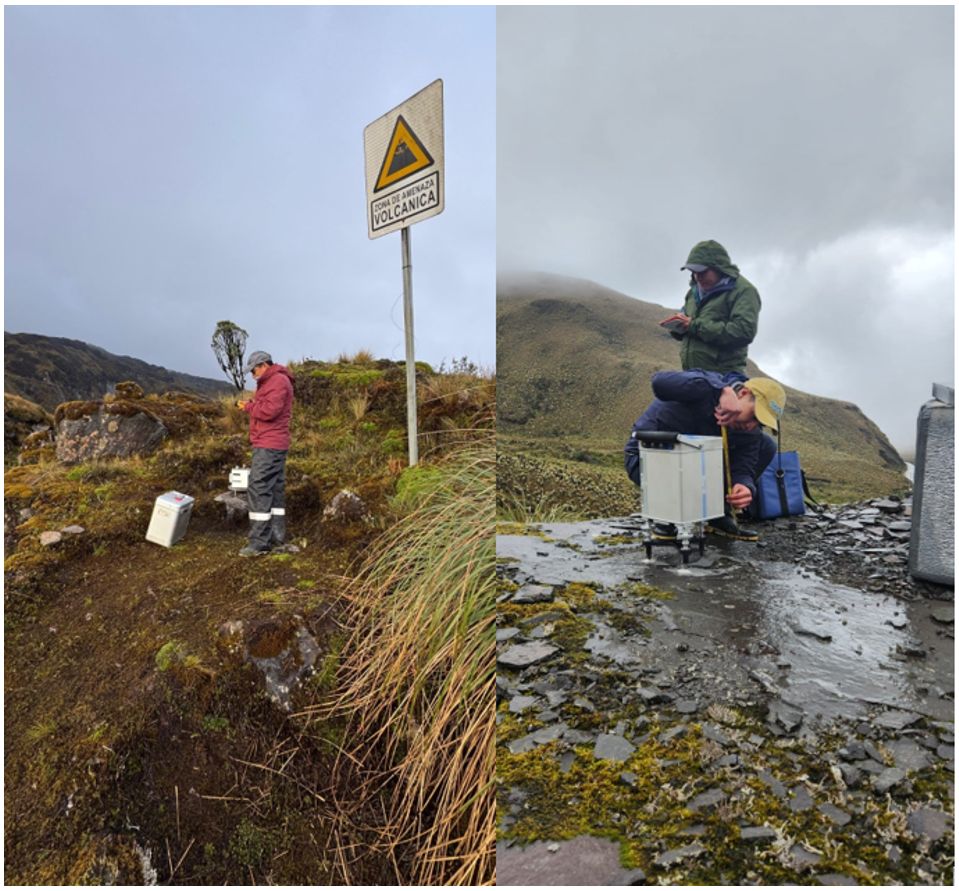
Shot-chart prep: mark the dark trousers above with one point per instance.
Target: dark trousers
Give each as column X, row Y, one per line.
column 266, row 496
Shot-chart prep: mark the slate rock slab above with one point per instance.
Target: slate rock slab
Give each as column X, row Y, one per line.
column 832, row 813
column 580, row 861
column 519, row 704
column 801, row 800
column 757, row 833
column 709, row 798
column 524, row 655
column 533, row 594
column 895, row 719
column 610, row 747
column 677, row 855
column 908, row 754
column 50, row 538
column 929, row 823
column 536, row 738
column 803, row 858
column 888, row 779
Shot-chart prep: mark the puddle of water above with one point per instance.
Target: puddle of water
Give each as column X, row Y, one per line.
column 839, row 643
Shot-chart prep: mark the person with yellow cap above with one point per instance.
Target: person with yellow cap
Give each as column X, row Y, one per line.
column 704, row 402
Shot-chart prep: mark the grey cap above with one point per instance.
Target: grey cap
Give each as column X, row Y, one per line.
column 255, row 359
column 695, row 267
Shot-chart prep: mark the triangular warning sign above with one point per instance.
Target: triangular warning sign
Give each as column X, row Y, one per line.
column 404, row 156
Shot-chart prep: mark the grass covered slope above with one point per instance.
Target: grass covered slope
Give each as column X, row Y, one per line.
column 574, row 365
column 135, row 730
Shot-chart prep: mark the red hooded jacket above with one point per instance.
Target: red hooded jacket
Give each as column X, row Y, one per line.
column 271, row 408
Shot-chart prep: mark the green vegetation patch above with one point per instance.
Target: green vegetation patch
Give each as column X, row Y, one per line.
column 643, row 803
column 649, row 592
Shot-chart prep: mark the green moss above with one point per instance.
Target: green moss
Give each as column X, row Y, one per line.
column 571, row 633
column 649, row 592
column 578, row 594
column 614, row 539
column 215, row 724
column 169, row 654
column 394, row 445
column 250, row 844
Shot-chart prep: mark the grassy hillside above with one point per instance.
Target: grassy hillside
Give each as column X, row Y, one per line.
column 51, row 370
column 574, row 365
column 135, row 728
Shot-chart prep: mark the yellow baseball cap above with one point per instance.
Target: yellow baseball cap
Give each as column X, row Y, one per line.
column 770, row 400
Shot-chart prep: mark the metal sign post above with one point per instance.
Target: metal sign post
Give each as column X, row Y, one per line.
column 411, row 422
column 405, row 185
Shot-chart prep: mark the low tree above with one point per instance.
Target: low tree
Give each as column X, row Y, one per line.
column 229, row 343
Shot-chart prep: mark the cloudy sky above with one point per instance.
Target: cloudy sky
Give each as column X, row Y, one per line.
column 166, row 168
column 815, row 143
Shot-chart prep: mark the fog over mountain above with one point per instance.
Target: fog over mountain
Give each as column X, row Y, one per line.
column 815, row 143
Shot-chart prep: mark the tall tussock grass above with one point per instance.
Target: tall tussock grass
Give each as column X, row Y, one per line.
column 417, row 685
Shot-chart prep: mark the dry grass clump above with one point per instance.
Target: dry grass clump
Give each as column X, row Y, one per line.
column 360, row 357
column 17, row 408
column 417, row 688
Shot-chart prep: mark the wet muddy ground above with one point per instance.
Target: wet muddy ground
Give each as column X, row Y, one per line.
column 779, row 712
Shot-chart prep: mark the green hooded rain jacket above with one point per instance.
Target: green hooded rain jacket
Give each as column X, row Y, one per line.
column 724, row 324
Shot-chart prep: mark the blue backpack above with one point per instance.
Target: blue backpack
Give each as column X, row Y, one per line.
column 781, row 490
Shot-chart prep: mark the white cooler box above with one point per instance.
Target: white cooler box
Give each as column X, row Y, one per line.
column 171, row 516
column 682, row 481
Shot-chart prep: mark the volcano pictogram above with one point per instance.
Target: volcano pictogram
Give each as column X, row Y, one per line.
column 404, row 156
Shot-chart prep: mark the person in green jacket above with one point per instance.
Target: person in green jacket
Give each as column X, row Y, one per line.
column 720, row 313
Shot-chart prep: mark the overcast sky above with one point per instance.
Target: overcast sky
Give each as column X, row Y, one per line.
column 167, row 168
column 815, row 143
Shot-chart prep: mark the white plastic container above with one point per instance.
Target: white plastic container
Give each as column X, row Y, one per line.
column 171, row 516
column 240, row 479
column 682, row 481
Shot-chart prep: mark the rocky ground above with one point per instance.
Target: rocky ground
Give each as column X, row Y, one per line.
column 777, row 712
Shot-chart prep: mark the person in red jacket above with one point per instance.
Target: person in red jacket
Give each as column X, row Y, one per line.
column 269, row 412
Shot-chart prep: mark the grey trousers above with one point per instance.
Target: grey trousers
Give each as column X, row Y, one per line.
column 266, row 497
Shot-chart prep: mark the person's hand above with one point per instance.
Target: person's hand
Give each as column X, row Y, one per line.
column 727, row 409
column 681, row 318
column 241, row 403
column 740, row 496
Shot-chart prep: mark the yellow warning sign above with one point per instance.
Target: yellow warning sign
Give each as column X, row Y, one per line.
column 404, row 156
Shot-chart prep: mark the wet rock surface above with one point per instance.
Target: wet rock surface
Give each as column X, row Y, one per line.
column 770, row 713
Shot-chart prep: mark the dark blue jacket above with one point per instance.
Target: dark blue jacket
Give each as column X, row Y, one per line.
column 684, row 403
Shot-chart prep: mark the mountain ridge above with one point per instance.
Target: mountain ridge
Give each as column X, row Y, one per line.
column 49, row 370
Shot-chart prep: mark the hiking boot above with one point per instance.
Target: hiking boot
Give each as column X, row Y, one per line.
column 664, row 532
column 250, row 551
column 729, row 528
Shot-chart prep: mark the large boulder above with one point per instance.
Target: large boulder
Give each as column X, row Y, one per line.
column 127, row 423
column 106, row 430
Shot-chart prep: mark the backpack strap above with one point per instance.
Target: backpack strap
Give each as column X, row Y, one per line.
column 780, row 473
